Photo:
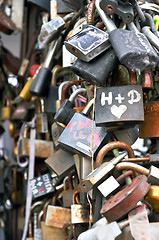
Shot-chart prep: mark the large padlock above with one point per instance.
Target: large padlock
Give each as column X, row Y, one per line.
column 98, row 70
column 66, row 111
column 117, row 206
column 79, row 130
column 6, row 109
column 135, row 51
column 122, row 106
column 88, row 43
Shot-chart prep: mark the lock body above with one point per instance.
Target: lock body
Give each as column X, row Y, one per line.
column 79, row 130
column 98, row 70
column 135, row 51
column 120, row 106
column 149, row 128
column 88, row 43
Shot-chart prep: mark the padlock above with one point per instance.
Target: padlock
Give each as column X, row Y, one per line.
column 25, row 94
column 102, row 170
column 66, row 111
column 88, row 43
column 61, row 162
column 56, row 130
column 50, row 31
column 40, row 85
column 128, row 136
column 117, row 206
column 22, row 112
column 152, row 197
column 68, row 193
column 42, row 185
column 119, row 106
column 98, row 70
column 6, row 109
column 57, row 216
column 149, row 128
column 41, row 118
column 123, row 10
column 74, row 5
column 79, row 213
column 52, row 96
column 42, row 4
column 79, row 130
column 147, row 79
column 135, row 51
column 152, row 173
column 96, row 176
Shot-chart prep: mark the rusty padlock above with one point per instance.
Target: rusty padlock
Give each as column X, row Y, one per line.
column 6, row 109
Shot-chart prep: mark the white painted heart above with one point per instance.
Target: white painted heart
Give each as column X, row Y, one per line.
column 118, row 111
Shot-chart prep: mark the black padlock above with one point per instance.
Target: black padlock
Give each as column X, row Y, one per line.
column 42, row 4
column 40, row 85
column 120, row 106
column 132, row 48
column 79, row 130
column 66, row 111
column 98, row 70
column 88, row 43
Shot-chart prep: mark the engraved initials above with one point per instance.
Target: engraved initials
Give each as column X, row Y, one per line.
column 132, row 94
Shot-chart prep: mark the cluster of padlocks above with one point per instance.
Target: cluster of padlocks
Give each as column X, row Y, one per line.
column 76, row 119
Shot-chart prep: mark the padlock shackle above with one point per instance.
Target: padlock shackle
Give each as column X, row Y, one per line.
column 60, row 89
column 40, row 215
column 36, row 204
column 65, row 88
column 55, row 71
column 75, row 93
column 45, row 208
column 88, row 107
column 122, row 177
column 108, row 22
column 74, row 197
column 111, row 146
column 132, row 166
column 90, row 12
column 70, row 184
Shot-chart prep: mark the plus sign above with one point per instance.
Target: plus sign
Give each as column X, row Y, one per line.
column 119, row 98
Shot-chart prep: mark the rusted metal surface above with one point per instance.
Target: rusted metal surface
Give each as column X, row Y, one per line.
column 57, row 216
column 52, row 233
column 149, row 128
column 90, row 12
column 131, row 166
column 122, row 177
column 136, row 159
column 147, row 79
column 43, row 149
column 133, row 77
column 110, row 146
column 122, row 202
column 100, row 25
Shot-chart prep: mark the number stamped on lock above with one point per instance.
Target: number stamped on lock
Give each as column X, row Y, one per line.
column 119, row 104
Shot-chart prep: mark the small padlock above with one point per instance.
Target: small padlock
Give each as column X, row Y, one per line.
column 41, row 118
column 6, row 109
column 79, row 130
column 66, row 111
column 135, row 51
column 122, row 106
column 68, row 193
column 98, row 70
column 79, row 213
column 41, row 185
column 88, row 43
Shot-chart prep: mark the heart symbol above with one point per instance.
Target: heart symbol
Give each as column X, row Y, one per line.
column 118, row 111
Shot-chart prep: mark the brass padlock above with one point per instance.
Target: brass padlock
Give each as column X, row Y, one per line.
column 79, row 213
column 41, row 118
column 6, row 109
